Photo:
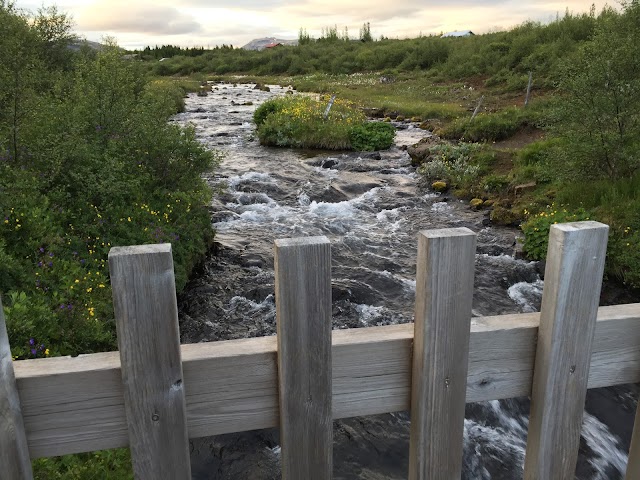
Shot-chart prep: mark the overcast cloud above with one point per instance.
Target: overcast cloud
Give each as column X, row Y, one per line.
column 136, row 24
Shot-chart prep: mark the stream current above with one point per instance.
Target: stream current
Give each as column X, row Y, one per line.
column 371, row 208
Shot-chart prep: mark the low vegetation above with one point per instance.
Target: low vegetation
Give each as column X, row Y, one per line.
column 304, row 122
column 503, row 58
column 88, row 161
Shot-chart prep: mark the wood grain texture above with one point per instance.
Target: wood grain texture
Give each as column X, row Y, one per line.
column 573, row 278
column 15, row 463
column 76, row 404
column 303, row 306
column 444, row 292
column 146, row 311
column 633, row 465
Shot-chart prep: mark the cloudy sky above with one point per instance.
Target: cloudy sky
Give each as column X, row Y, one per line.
column 137, row 23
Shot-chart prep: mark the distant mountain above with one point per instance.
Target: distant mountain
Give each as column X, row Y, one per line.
column 77, row 44
column 261, row 43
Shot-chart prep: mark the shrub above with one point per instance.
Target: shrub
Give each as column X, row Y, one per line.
column 372, row 136
column 452, row 163
column 275, row 105
column 536, row 228
column 488, row 127
column 600, row 110
column 95, row 165
column 623, row 254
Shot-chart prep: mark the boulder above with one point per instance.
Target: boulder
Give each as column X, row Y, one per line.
column 476, row 203
column 440, row 186
column 419, row 152
column 373, row 112
column 505, row 216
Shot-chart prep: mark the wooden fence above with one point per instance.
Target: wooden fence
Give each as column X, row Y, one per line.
column 154, row 394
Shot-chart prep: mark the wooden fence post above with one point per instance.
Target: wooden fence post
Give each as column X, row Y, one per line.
column 144, row 299
column 573, row 278
column 15, row 463
column 477, row 109
column 529, row 84
column 444, row 294
column 303, row 303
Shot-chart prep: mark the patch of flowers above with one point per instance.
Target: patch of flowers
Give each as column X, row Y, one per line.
column 304, row 122
column 536, row 227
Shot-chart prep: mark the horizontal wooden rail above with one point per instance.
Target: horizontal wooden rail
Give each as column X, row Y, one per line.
column 76, row 404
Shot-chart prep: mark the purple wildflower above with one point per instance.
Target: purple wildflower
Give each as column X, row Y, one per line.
column 33, row 351
column 32, row 341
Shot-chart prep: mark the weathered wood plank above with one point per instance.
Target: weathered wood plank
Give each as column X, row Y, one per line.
column 146, row 311
column 303, row 303
column 633, row 464
column 15, row 463
column 444, row 292
column 76, row 404
column 573, row 278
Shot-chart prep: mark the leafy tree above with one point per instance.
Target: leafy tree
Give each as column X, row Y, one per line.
column 600, row 111
column 365, row 33
column 54, row 30
column 20, row 70
column 303, row 37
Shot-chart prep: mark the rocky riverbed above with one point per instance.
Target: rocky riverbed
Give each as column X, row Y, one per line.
column 371, row 207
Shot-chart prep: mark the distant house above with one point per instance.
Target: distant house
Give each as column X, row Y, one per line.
column 461, row 33
column 272, row 45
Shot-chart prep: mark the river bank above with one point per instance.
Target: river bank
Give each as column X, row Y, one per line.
column 371, row 207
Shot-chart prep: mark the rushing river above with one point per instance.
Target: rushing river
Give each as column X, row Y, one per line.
column 371, row 208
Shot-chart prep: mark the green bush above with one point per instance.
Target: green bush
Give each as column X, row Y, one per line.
column 372, row 136
column 274, row 105
column 599, row 111
column 451, row 163
column 538, row 161
column 623, row 254
column 536, row 228
column 489, row 127
column 88, row 161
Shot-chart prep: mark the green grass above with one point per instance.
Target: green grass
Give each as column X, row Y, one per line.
column 101, row 465
column 299, row 121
